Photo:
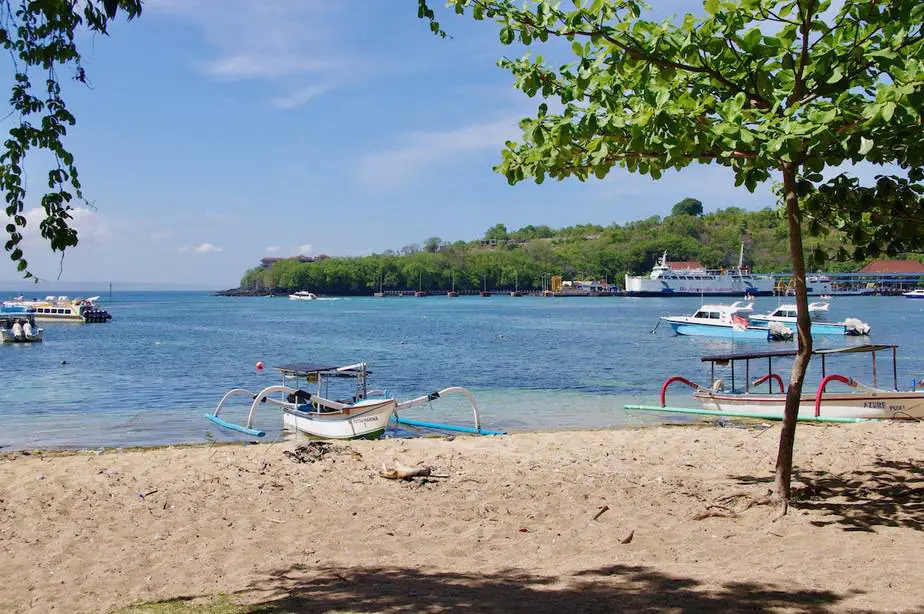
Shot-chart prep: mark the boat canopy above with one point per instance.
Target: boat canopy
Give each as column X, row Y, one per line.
column 867, row 348
column 304, row 369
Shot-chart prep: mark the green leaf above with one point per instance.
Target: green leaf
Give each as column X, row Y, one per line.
column 888, row 109
column 711, row 6
column 865, row 145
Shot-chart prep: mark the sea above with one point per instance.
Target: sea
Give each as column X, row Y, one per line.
column 165, row 359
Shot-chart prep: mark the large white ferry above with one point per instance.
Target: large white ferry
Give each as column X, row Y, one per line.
column 692, row 279
column 61, row 309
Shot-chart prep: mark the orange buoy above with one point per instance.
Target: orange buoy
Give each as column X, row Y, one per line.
column 259, row 365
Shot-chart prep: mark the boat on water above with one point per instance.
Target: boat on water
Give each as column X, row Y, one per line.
column 863, row 402
column 61, row 309
column 303, row 295
column 919, row 293
column 692, row 279
column 19, row 327
column 788, row 314
column 727, row 321
column 360, row 414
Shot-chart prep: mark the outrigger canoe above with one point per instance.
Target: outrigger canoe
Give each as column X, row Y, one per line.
column 863, row 402
column 363, row 414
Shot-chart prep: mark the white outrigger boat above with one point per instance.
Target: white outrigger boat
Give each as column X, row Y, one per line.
column 863, row 403
column 787, row 314
column 365, row 414
column 727, row 321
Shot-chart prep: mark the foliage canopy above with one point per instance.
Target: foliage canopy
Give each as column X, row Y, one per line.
column 41, row 37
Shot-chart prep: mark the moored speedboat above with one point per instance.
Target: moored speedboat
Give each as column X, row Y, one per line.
column 919, row 293
column 788, row 315
column 727, row 321
column 303, row 295
column 363, row 414
column 19, row 328
column 862, row 403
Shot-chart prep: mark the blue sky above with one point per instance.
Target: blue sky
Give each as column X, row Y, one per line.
column 217, row 132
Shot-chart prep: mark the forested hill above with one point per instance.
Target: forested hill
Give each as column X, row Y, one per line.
column 526, row 256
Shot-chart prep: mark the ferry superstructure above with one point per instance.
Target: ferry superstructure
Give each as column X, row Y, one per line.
column 692, row 279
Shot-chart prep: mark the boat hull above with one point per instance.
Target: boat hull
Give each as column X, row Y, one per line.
column 709, row 330
column 867, row 405
column 366, row 420
column 7, row 336
column 818, row 328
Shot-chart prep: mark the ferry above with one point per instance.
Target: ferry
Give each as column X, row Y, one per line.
column 61, row 309
column 692, row 279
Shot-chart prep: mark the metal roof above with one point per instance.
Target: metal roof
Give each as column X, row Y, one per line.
column 789, row 353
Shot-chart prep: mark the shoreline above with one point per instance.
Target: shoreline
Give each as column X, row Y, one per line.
column 590, row 520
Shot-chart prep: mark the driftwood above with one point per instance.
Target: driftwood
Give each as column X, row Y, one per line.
column 602, row 510
column 405, row 472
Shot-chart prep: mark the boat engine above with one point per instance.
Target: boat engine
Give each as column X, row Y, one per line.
column 27, row 330
column 856, row 326
column 17, row 331
column 779, row 331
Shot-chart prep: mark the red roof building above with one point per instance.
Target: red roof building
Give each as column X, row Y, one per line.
column 893, row 266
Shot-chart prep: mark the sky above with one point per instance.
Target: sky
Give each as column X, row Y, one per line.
column 218, row 132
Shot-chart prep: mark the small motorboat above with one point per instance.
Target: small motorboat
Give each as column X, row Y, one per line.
column 360, row 414
column 727, row 321
column 919, row 293
column 19, row 328
column 788, row 315
column 303, row 295
column 863, row 402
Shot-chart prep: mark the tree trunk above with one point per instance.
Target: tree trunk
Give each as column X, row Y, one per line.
column 804, row 325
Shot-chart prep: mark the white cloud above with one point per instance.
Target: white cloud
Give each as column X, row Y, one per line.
column 303, row 249
column 160, row 235
column 299, row 97
column 272, row 249
column 207, row 248
column 263, row 40
column 400, row 165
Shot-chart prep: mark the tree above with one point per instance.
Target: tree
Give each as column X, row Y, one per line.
column 40, row 36
column 497, row 232
column 432, row 244
column 778, row 89
column 688, row 206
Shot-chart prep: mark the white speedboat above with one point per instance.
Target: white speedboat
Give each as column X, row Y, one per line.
column 727, row 321
column 863, row 402
column 19, row 328
column 788, row 315
column 361, row 414
column 919, row 293
column 692, row 279
column 61, row 309
column 303, row 295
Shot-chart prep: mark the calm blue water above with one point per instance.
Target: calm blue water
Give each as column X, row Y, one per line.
column 535, row 363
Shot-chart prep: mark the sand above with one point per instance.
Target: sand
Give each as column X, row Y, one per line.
column 512, row 527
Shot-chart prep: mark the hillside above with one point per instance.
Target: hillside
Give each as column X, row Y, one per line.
column 527, row 256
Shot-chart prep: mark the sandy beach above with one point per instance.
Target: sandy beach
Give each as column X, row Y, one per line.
column 595, row 521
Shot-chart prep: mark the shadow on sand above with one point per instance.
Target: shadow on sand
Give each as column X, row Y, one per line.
column 887, row 494
column 609, row 589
